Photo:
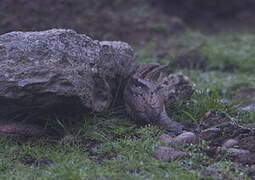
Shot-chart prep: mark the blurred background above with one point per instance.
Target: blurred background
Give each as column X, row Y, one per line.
column 208, row 35
column 134, row 21
column 210, row 41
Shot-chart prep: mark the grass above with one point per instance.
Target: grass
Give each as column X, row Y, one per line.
column 129, row 157
column 110, row 146
column 225, row 51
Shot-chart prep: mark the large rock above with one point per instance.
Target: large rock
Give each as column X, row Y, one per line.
column 59, row 71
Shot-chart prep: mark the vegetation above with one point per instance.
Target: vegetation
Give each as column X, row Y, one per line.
column 109, row 146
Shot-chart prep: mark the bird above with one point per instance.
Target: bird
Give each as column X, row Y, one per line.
column 144, row 101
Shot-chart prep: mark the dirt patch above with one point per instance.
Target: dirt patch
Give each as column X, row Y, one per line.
column 214, row 119
column 248, row 143
column 221, row 131
column 25, row 130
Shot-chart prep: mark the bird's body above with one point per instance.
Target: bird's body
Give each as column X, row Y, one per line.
column 144, row 99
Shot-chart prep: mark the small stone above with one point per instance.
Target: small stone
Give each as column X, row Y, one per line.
column 239, row 155
column 210, row 133
column 246, row 158
column 165, row 138
column 185, row 138
column 230, row 143
column 237, row 152
column 164, row 153
column 42, row 161
column 248, row 143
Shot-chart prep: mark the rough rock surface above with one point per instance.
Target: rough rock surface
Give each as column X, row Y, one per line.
column 61, row 70
column 185, row 138
column 239, row 155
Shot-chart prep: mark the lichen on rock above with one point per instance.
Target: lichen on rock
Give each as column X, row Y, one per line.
column 59, row 69
column 61, row 72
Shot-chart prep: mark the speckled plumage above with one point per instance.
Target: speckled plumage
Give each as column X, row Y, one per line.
column 146, row 92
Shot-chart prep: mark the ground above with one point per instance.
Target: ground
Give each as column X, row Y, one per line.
column 110, row 146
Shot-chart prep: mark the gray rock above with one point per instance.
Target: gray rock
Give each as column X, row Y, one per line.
column 61, row 72
column 237, row 152
column 248, row 142
column 230, row 143
column 242, row 156
column 61, row 69
column 168, row 154
column 185, row 138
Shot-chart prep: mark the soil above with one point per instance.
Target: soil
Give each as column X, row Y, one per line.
column 224, row 140
column 243, row 135
column 18, row 129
